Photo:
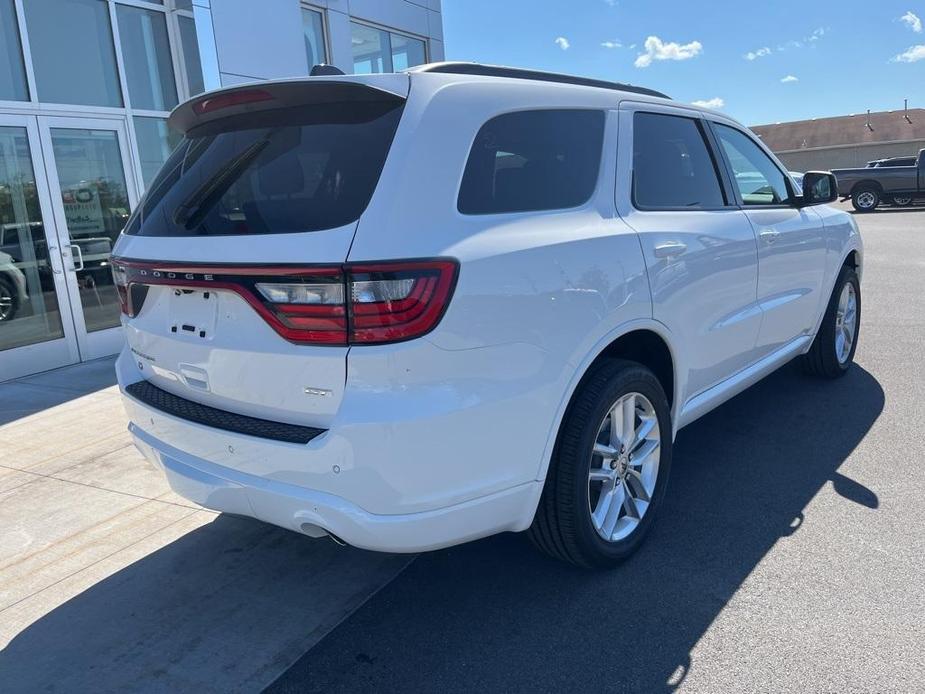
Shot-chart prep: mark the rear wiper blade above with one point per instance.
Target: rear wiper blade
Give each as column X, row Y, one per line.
column 191, row 212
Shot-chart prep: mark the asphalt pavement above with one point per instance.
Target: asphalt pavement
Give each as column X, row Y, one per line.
column 789, row 555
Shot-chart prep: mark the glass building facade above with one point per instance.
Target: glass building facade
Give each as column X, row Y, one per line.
column 86, row 87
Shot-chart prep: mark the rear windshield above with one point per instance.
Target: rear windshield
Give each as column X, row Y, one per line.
column 272, row 172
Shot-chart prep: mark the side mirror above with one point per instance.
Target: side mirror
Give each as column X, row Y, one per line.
column 819, row 188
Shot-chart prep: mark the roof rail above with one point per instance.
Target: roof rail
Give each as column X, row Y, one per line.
column 462, row 68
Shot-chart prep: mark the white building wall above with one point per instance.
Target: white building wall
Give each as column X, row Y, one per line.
column 262, row 39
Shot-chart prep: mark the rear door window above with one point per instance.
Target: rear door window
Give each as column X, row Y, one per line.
column 271, row 172
column 672, row 165
column 533, row 160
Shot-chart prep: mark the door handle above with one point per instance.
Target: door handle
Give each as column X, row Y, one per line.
column 768, row 235
column 52, row 250
column 78, row 257
column 670, row 249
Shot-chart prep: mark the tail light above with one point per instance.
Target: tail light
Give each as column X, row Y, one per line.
column 335, row 305
column 229, row 99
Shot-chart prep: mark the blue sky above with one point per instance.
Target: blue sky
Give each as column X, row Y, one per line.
column 766, row 62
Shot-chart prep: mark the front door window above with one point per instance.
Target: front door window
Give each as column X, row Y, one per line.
column 96, row 203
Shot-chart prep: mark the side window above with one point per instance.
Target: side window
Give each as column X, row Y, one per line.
column 672, row 166
column 759, row 180
column 533, row 160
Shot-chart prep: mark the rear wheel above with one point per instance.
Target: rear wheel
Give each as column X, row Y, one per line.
column 833, row 349
column 902, row 200
column 609, row 469
column 865, row 200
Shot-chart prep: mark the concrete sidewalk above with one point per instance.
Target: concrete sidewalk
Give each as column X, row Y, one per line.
column 108, row 580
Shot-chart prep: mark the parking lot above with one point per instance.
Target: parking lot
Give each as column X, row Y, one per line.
column 789, row 554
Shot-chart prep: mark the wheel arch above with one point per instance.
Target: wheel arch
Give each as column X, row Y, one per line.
column 647, row 342
column 867, row 184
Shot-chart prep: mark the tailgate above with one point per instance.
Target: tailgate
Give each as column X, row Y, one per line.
column 229, row 268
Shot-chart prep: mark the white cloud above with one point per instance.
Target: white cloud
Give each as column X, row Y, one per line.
column 715, row 102
column 612, row 3
column 817, row 34
column 911, row 20
column 760, row 53
column 656, row 49
column 807, row 40
column 913, row 54
column 562, row 43
column 790, row 78
column 611, row 44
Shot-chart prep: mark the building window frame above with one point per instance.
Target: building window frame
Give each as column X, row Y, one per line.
column 391, row 30
column 127, row 112
column 325, row 29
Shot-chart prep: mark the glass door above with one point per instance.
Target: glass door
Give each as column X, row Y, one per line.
column 36, row 332
column 93, row 192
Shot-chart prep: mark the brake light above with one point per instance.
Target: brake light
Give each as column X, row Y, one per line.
column 227, row 100
column 120, row 279
column 398, row 301
column 351, row 304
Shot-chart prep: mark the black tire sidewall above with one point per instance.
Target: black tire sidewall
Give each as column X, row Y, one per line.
column 827, row 330
column 857, row 194
column 630, row 378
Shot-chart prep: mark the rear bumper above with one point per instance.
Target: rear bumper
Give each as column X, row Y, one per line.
column 315, row 513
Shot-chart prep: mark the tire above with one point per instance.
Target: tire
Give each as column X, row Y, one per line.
column 9, row 300
column 824, row 358
column 865, row 199
column 901, row 201
column 563, row 526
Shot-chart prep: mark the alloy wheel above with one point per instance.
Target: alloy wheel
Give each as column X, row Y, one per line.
column 6, row 302
column 624, row 467
column 846, row 319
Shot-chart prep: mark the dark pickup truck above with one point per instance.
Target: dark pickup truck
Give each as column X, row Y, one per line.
column 873, row 185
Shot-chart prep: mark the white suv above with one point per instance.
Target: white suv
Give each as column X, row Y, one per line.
column 411, row 310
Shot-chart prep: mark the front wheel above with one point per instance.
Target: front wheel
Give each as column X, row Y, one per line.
column 609, row 469
column 865, row 200
column 902, row 200
column 9, row 300
column 833, row 349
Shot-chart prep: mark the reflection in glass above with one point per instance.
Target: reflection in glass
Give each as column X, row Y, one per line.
column 370, row 49
column 12, row 72
column 208, row 53
column 73, row 55
column 406, row 52
column 28, row 303
column 96, row 207
column 155, row 143
column 375, row 50
column 146, row 55
column 313, row 33
column 191, row 59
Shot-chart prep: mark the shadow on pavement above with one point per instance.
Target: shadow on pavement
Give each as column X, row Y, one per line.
column 496, row 616
column 889, row 210
column 27, row 396
column 225, row 607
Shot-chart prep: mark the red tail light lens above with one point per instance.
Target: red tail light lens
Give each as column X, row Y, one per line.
column 398, row 301
column 352, row 304
column 220, row 101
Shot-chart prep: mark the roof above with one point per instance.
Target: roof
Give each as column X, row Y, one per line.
column 464, row 68
column 885, row 126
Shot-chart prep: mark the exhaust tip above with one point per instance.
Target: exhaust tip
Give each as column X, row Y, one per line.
column 312, row 530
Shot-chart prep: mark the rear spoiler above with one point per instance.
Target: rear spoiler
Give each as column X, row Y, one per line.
column 263, row 96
